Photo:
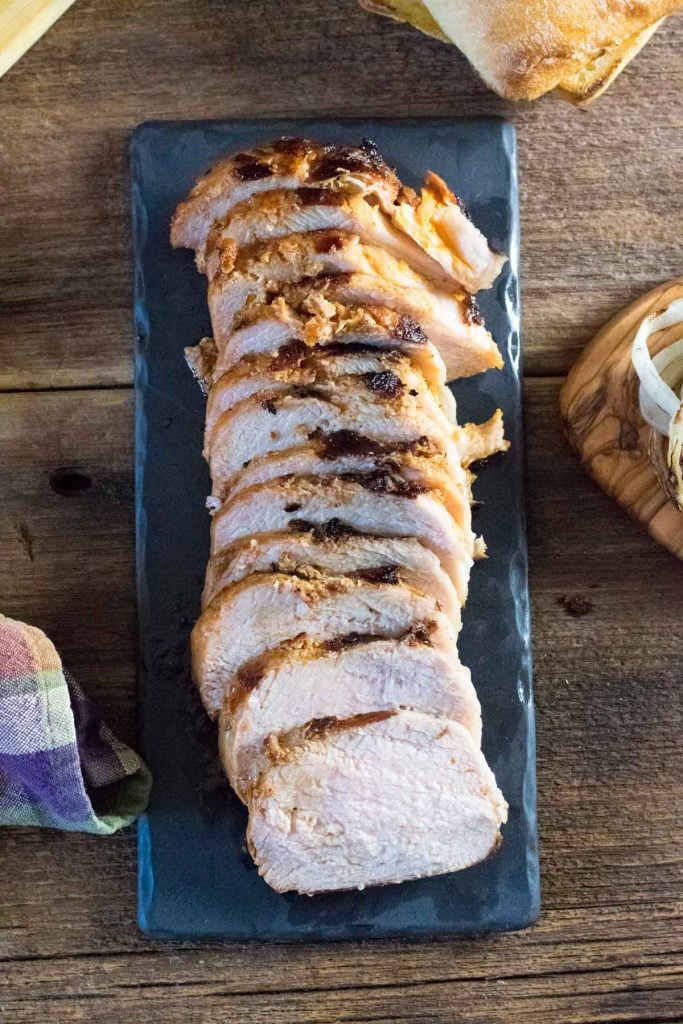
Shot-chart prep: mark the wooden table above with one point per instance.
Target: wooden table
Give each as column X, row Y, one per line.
column 602, row 221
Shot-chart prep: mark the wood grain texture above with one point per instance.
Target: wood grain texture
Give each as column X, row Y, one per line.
column 600, row 406
column 607, row 668
column 602, row 222
column 600, row 219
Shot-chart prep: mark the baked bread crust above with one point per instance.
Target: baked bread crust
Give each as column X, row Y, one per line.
column 523, row 50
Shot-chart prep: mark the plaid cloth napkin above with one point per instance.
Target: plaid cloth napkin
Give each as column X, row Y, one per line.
column 60, row 766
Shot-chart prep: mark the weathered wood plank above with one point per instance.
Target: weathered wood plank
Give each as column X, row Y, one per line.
column 600, row 223
column 608, row 696
column 66, row 555
column 341, row 986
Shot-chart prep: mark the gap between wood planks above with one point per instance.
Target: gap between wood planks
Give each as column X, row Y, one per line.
column 130, row 386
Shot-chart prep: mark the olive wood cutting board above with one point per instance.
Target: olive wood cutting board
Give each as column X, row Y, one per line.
column 601, row 412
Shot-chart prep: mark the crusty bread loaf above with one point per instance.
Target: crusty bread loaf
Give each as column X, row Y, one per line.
column 523, row 50
column 595, row 76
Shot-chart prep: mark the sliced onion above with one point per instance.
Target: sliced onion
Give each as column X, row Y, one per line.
column 659, row 403
column 675, row 458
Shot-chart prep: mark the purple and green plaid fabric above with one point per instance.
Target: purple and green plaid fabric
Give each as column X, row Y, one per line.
column 60, row 765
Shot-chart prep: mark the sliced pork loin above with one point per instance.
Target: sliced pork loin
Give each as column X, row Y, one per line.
column 289, row 687
column 433, row 235
column 266, row 327
column 271, row 422
column 263, row 611
column 421, row 462
column 374, row 559
column 478, row 441
column 272, row 215
column 364, row 308
column 454, row 326
column 373, row 504
column 369, row 800
column 438, row 223
column 339, row 187
column 345, row 453
column 386, row 375
column 452, row 322
column 287, row 163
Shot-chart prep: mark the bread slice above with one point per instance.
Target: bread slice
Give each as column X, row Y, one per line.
column 525, row 50
column 597, row 75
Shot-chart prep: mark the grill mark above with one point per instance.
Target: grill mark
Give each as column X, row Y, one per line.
column 290, row 355
column 250, row 168
column 407, row 329
column 419, row 633
column 348, row 442
column 364, row 159
column 340, row 643
column 341, row 348
column 385, row 384
column 315, row 196
column 382, row 481
column 293, row 145
column 320, row 727
column 333, row 529
column 329, row 242
column 473, row 313
column 304, row 391
column 250, row 675
column 388, row 574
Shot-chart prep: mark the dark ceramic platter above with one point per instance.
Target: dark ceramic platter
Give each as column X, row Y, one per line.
column 195, row 876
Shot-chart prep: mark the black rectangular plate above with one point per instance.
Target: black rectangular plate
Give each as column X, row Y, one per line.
column 195, row 876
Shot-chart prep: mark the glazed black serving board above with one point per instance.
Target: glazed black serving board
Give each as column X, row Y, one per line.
column 195, row 876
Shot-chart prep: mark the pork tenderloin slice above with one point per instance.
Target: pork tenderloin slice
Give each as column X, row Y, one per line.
column 284, row 164
column 336, row 505
column 475, row 441
column 372, row 558
column 454, row 324
column 439, row 224
column 433, row 234
column 263, row 611
column 372, row 800
column 272, row 215
column 288, row 687
column 345, row 453
column 271, row 422
column 386, row 374
column 266, row 325
column 478, row 441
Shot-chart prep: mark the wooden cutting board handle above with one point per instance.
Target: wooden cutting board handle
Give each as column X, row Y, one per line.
column 599, row 405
